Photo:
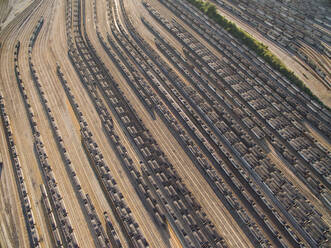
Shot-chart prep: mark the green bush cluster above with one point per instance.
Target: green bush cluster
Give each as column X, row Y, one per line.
column 262, row 50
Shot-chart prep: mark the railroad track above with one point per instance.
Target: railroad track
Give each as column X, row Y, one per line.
column 18, row 26
column 138, row 129
column 159, row 92
column 214, row 60
column 163, row 64
column 296, row 39
column 20, row 179
column 149, row 123
column 135, row 239
column 207, row 29
column 291, row 149
column 321, row 61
